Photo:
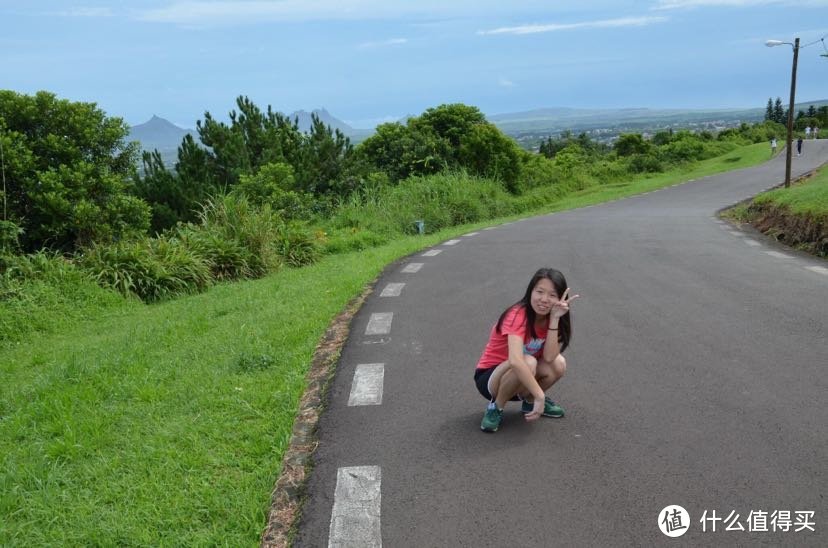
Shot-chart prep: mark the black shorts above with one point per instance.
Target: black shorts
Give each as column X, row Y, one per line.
column 481, row 379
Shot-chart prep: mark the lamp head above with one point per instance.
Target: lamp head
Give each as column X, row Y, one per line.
column 771, row 43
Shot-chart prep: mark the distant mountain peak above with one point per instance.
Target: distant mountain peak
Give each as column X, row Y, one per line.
column 158, row 133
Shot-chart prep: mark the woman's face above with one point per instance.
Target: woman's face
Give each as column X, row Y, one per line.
column 543, row 297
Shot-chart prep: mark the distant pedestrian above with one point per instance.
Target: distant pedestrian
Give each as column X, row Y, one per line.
column 816, row 132
column 807, row 132
column 523, row 357
column 773, row 146
column 799, row 147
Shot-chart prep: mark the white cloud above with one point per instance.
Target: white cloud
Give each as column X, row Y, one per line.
column 384, row 43
column 86, row 12
column 226, row 12
column 199, row 12
column 503, row 82
column 553, row 27
column 678, row 4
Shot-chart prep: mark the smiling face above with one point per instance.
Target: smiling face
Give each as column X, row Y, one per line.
column 543, row 297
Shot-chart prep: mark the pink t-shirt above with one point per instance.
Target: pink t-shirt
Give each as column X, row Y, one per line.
column 497, row 349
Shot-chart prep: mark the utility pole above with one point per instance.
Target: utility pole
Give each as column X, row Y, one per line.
column 791, row 116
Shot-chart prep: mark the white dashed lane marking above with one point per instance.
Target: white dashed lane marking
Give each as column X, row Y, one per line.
column 777, row 255
column 752, row 243
column 392, row 290
column 490, row 228
column 355, row 518
column 432, row 252
column 818, row 269
column 379, row 323
column 366, row 389
column 470, row 234
column 451, row 242
column 412, row 267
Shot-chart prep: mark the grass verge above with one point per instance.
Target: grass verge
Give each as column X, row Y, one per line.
column 796, row 216
column 165, row 424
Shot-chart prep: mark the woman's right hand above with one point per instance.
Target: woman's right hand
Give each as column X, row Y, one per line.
column 537, row 410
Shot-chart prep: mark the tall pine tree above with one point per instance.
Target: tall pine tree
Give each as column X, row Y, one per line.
column 779, row 112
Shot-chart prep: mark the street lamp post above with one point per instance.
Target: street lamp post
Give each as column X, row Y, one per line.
column 795, row 46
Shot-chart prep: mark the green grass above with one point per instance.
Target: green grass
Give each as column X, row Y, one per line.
column 808, row 198
column 742, row 157
column 165, row 424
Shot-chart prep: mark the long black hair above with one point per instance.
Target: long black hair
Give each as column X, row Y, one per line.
column 564, row 323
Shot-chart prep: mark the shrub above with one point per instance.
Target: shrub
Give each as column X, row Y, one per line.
column 152, row 269
column 233, row 217
column 226, row 258
column 535, row 171
column 296, row 245
column 645, row 163
column 631, row 143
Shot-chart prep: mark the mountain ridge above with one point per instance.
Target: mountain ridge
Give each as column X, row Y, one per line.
column 159, row 133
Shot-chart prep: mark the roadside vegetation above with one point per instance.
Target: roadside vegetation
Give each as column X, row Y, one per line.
column 796, row 216
column 155, row 330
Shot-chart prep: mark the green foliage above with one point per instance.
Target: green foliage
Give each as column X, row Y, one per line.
column 296, row 245
column 274, row 184
column 324, row 158
column 447, row 137
column 631, row 143
column 485, row 151
column 351, row 239
column 451, row 122
column 226, row 257
column 404, row 150
column 252, row 139
column 319, row 163
column 441, row 200
column 9, row 237
column 550, row 147
column 536, row 170
column 248, row 363
column 66, row 164
column 152, row 269
column 174, row 197
column 806, row 121
column 45, row 292
column 645, row 163
column 233, row 217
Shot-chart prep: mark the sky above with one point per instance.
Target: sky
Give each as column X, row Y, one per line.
column 372, row 61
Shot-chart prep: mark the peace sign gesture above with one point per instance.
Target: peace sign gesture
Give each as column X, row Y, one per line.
column 561, row 307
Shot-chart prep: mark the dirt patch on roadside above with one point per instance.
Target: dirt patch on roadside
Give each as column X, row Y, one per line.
column 287, row 496
column 805, row 232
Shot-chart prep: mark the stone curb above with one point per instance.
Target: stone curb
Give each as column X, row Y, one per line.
column 287, row 496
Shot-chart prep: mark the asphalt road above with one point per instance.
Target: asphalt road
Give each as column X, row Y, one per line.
column 696, row 376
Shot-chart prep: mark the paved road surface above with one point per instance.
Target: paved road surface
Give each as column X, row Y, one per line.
column 697, row 376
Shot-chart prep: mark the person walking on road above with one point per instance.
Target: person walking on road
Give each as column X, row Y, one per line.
column 799, row 146
column 773, row 146
column 523, row 357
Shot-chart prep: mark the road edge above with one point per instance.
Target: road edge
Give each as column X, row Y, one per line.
column 288, row 493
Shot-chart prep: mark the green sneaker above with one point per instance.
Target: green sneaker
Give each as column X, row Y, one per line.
column 550, row 408
column 491, row 420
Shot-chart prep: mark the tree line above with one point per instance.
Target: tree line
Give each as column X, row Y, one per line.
column 813, row 117
column 70, row 178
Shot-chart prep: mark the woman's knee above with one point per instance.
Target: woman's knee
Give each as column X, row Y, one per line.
column 556, row 367
column 559, row 365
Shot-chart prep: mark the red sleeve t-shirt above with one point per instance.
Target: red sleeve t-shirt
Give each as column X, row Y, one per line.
column 514, row 323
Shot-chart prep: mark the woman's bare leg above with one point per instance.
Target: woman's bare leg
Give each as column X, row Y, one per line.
column 504, row 383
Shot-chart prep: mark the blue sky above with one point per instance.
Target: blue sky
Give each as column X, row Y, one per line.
column 369, row 61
